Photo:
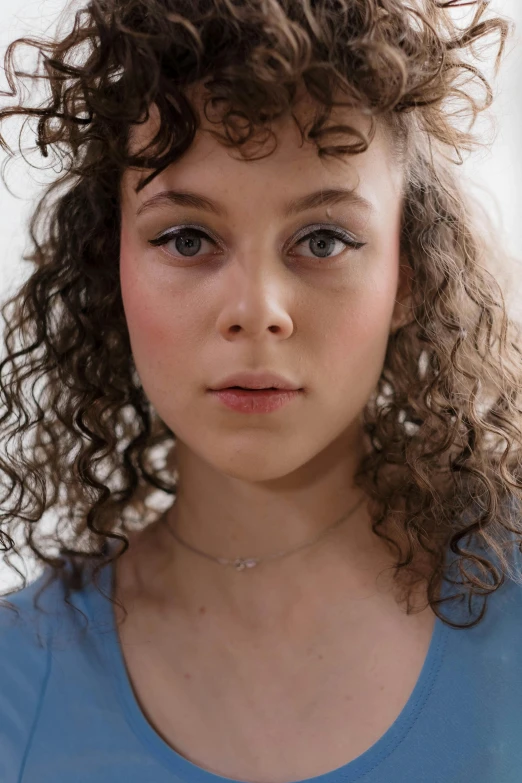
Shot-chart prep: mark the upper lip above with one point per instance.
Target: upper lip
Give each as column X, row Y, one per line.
column 258, row 380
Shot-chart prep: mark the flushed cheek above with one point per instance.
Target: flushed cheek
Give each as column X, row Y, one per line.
column 161, row 335
column 358, row 340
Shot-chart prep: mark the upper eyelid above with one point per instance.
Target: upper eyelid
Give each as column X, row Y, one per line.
column 302, row 234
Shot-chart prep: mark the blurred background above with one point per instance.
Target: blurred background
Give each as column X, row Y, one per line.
column 495, row 173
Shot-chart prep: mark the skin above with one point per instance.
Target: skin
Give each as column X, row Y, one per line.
column 260, row 300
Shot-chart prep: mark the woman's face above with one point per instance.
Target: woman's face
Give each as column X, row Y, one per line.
column 250, row 291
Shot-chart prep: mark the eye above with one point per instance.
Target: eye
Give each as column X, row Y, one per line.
column 188, row 241
column 323, row 240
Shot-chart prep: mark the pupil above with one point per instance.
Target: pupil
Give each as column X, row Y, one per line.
column 328, row 241
column 188, row 241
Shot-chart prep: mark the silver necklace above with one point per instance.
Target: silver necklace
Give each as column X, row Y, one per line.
column 240, row 563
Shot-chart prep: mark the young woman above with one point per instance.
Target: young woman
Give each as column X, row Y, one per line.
column 261, row 293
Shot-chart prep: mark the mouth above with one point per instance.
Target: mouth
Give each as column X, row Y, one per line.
column 247, row 400
column 267, row 390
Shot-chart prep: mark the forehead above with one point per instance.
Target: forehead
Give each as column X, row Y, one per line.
column 281, row 153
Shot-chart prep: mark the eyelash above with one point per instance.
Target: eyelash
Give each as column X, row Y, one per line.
column 336, row 233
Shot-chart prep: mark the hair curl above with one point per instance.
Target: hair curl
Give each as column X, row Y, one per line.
column 445, row 421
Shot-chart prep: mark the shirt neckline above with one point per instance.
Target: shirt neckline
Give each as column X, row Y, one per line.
column 102, row 610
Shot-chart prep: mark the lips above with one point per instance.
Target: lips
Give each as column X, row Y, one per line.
column 257, row 401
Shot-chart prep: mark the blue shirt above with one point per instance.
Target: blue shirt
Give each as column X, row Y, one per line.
column 68, row 713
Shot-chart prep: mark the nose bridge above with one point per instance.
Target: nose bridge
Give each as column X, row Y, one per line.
column 256, row 259
column 255, row 287
column 260, row 278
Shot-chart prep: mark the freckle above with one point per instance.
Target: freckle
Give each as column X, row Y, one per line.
column 188, row 676
column 320, row 657
column 202, row 609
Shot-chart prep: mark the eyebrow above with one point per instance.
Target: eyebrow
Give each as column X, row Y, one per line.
column 319, row 198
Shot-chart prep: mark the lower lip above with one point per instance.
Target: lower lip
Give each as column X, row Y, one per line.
column 260, row 401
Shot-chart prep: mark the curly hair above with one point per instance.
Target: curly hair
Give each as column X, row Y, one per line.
column 445, row 422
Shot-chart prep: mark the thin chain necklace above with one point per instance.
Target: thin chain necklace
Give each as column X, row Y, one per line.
column 240, row 563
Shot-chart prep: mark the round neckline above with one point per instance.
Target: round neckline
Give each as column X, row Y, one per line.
column 101, row 609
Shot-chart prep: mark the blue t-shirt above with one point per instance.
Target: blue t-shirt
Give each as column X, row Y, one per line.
column 68, row 713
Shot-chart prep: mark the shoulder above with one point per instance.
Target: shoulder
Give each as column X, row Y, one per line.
column 26, row 616
column 25, row 661
column 28, row 621
column 21, row 621
column 51, row 661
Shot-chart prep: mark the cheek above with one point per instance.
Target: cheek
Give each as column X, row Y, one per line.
column 159, row 329
column 358, row 330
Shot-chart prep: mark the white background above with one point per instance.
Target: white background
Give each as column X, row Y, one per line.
column 497, row 171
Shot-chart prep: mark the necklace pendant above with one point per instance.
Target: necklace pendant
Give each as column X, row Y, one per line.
column 240, row 564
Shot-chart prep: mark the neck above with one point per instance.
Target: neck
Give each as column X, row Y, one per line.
column 234, row 518
column 342, row 571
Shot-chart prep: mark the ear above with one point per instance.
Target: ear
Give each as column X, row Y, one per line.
column 402, row 310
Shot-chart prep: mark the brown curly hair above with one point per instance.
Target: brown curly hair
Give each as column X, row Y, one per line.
column 445, row 421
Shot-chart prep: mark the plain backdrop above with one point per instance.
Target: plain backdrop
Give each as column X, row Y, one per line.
column 495, row 172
